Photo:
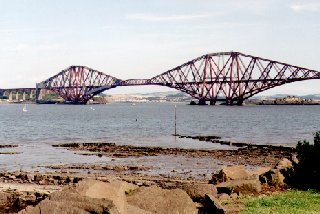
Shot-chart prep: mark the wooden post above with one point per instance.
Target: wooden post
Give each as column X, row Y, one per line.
column 175, row 120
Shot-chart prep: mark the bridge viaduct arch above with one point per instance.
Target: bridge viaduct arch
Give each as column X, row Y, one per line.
column 18, row 94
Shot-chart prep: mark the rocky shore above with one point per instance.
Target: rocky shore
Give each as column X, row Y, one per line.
column 247, row 154
column 25, row 193
column 118, row 187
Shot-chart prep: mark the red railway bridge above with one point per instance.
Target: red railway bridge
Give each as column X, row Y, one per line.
column 231, row 77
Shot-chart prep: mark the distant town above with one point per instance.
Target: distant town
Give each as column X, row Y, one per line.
column 162, row 97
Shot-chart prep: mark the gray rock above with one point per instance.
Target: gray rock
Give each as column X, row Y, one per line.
column 198, row 191
column 249, row 186
column 273, row 177
column 114, row 191
column 137, row 210
column 158, row 200
column 284, row 164
column 259, row 171
column 5, row 200
column 230, row 173
column 70, row 202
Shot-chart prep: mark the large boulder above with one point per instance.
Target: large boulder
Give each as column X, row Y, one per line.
column 130, row 187
column 273, row 177
column 89, row 196
column 198, row 191
column 276, row 176
column 158, row 200
column 212, row 205
column 137, row 210
column 284, row 164
column 6, row 201
column 259, row 171
column 230, row 173
column 71, row 202
column 247, row 186
column 114, row 191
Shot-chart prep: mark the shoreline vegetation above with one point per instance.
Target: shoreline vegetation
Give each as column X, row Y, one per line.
column 288, row 202
column 287, row 100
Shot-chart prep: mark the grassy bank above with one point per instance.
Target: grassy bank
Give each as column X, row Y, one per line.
column 290, row 202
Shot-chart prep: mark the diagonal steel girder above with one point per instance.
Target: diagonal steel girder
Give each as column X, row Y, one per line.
column 231, row 76
column 224, row 76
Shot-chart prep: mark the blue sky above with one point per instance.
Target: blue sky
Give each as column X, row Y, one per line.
column 143, row 38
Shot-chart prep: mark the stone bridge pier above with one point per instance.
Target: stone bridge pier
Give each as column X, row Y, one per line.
column 18, row 94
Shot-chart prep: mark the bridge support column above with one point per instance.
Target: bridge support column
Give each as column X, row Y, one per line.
column 24, row 96
column 10, row 96
column 202, row 102
column 40, row 96
column 17, row 95
column 229, row 102
column 5, row 94
column 212, row 102
column 31, row 94
column 240, row 102
column 38, row 93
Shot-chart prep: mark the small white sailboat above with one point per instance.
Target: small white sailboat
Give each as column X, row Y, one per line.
column 25, row 108
column 92, row 108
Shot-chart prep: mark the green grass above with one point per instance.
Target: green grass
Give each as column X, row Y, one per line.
column 289, row 202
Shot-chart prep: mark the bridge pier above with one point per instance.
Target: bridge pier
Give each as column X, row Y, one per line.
column 40, row 92
column 229, row 102
column 17, row 95
column 10, row 96
column 202, row 102
column 240, row 102
column 24, row 96
column 31, row 94
column 40, row 96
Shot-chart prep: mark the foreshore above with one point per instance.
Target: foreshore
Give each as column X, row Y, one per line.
column 29, row 188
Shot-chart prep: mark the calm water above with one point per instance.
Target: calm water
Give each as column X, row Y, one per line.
column 144, row 124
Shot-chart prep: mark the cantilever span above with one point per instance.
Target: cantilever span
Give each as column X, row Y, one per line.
column 78, row 84
column 231, row 77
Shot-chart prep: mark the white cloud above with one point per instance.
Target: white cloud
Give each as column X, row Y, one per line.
column 165, row 18
column 306, row 7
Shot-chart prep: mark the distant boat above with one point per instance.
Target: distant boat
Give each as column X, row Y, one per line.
column 25, row 108
column 92, row 108
column 133, row 104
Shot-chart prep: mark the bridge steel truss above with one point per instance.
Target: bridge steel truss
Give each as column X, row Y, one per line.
column 231, row 77
column 78, row 84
